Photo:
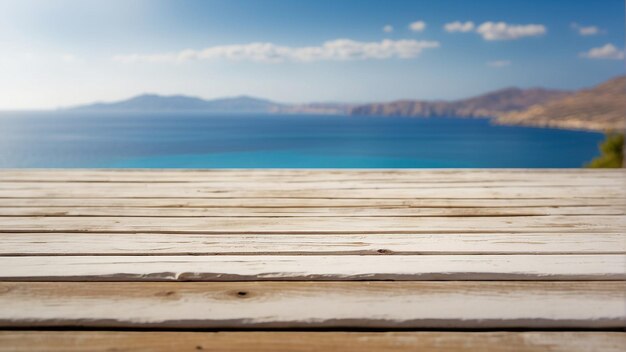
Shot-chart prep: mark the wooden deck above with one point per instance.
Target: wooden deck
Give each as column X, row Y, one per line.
column 301, row 260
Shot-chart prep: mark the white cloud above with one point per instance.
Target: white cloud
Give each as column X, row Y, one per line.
column 608, row 51
column 417, row 26
column 499, row 63
column 69, row 58
column 591, row 30
column 505, row 31
column 458, row 26
column 388, row 28
column 334, row 50
column 586, row 30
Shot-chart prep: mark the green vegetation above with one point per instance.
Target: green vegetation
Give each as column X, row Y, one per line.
column 612, row 152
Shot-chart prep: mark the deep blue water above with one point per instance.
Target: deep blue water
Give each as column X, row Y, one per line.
column 189, row 140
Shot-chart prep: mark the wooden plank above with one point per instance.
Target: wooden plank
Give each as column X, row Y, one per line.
column 570, row 202
column 311, row 304
column 354, row 225
column 301, row 183
column 307, row 211
column 296, row 184
column 169, row 175
column 107, row 341
column 28, row 244
column 107, row 190
column 319, row 268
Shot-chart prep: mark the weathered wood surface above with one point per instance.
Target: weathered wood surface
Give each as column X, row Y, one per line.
column 426, row 304
column 31, row 244
column 323, row 268
column 558, row 233
column 99, row 341
column 456, row 184
column 356, row 225
column 172, row 212
column 106, row 190
column 299, row 175
column 297, row 202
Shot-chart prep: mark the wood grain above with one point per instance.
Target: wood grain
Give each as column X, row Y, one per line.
column 354, row 225
column 107, row 341
column 323, row 203
column 320, row 184
column 107, row 190
column 296, row 175
column 30, row 244
column 314, row 304
column 342, row 267
column 376, row 212
column 314, row 184
column 307, row 249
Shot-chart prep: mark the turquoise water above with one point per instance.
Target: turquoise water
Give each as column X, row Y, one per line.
column 193, row 140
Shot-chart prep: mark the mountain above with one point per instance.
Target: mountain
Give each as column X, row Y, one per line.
column 243, row 104
column 600, row 108
column 316, row 108
column 486, row 105
column 153, row 102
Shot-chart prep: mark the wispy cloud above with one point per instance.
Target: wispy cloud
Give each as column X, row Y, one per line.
column 388, row 28
column 69, row 58
column 417, row 26
column 505, row 31
column 334, row 50
column 607, row 52
column 499, row 63
column 586, row 30
column 458, row 26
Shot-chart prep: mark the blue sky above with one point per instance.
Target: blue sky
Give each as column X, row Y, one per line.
column 66, row 52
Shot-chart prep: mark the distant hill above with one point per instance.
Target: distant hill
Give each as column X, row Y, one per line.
column 240, row 104
column 153, row 102
column 486, row 105
column 316, row 108
column 600, row 108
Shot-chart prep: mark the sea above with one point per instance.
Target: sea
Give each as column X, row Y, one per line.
column 64, row 139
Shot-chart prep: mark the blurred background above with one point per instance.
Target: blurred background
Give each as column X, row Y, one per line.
column 316, row 84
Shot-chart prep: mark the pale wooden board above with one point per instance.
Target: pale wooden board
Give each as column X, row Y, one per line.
column 276, row 190
column 325, row 203
column 309, row 224
column 315, row 304
column 319, row 182
column 28, row 244
column 334, row 267
column 108, row 341
column 359, row 225
column 308, row 211
column 270, row 185
column 294, row 175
